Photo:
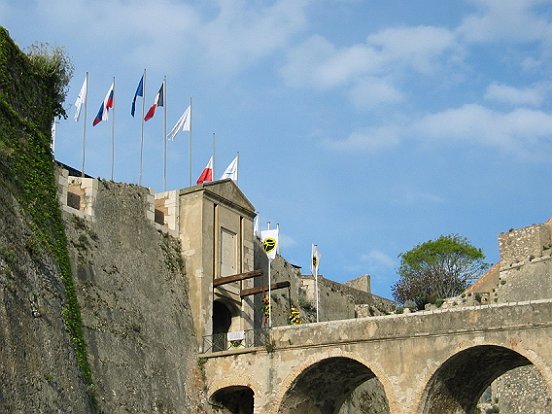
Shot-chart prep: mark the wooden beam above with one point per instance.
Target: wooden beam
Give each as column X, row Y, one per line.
column 263, row 289
column 234, row 278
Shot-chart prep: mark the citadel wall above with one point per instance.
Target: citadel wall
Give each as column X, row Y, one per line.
column 129, row 277
column 133, row 295
column 523, row 273
column 525, row 264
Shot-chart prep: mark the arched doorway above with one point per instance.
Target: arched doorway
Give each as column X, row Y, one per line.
column 222, row 319
column 324, row 387
column 234, row 399
column 457, row 385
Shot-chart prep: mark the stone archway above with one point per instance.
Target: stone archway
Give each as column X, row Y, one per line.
column 234, row 399
column 323, row 387
column 457, row 385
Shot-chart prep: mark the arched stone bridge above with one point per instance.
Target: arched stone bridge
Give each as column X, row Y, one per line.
column 423, row 363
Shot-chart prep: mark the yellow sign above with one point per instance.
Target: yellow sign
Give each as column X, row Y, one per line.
column 269, row 244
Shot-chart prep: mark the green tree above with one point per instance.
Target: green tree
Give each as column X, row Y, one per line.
column 438, row 269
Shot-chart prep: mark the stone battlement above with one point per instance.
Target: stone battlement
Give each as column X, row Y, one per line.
column 77, row 196
column 527, row 243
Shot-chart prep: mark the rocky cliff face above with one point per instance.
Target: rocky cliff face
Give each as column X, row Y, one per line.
column 38, row 366
column 94, row 314
column 134, row 303
column 43, row 366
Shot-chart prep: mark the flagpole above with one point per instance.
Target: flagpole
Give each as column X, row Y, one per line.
column 84, row 127
column 214, row 159
column 190, row 149
column 269, row 283
column 269, row 295
column 142, row 127
column 165, row 134
column 278, row 245
column 238, row 170
column 316, row 283
column 113, row 134
column 53, row 143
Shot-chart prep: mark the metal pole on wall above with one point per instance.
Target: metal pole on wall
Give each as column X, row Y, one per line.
column 164, row 133
column 317, row 295
column 315, row 262
column 84, row 127
column 113, row 135
column 190, row 145
column 269, row 295
column 214, row 156
column 142, row 128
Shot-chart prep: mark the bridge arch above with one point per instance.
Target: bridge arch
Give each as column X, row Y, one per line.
column 235, row 399
column 456, row 386
column 321, row 385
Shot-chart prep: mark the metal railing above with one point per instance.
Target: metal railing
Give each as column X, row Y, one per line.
column 234, row 340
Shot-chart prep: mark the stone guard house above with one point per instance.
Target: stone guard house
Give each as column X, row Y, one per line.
column 214, row 222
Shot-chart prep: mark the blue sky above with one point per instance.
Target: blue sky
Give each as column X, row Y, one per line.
column 366, row 127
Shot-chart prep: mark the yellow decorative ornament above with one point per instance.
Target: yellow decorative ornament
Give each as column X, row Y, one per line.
column 294, row 316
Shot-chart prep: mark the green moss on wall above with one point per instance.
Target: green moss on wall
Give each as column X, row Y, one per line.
column 29, row 101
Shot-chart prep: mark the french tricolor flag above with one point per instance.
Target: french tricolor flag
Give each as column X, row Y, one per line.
column 107, row 103
column 159, row 101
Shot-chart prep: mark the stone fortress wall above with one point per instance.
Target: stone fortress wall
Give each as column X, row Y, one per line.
column 523, row 273
column 133, row 282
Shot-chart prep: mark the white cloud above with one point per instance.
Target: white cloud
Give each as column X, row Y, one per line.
column 515, row 96
column 241, row 33
column 368, row 72
column 368, row 140
column 228, row 37
column 377, row 259
column 516, row 132
column 371, row 92
column 530, row 63
column 388, row 50
column 513, row 20
column 318, row 64
column 286, row 241
column 513, row 131
column 345, row 65
column 415, row 47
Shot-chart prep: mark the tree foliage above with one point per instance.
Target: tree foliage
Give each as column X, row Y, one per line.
column 54, row 65
column 438, row 269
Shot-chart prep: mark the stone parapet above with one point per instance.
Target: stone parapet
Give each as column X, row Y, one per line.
column 527, row 243
column 166, row 212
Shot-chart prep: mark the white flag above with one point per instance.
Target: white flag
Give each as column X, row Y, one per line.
column 315, row 259
column 269, row 238
column 183, row 124
column 231, row 171
column 256, row 230
column 81, row 98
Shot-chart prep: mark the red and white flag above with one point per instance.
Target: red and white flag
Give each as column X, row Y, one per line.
column 159, row 101
column 207, row 173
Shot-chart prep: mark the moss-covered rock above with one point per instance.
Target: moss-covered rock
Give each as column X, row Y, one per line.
column 29, row 100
